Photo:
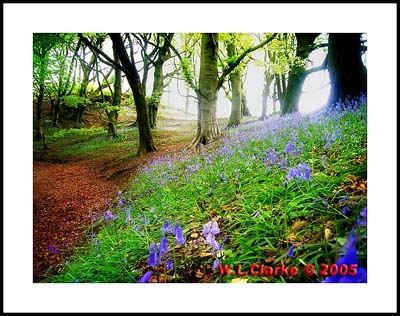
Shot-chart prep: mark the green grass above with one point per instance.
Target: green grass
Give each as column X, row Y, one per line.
column 240, row 184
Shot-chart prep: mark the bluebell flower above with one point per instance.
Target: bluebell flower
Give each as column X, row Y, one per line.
column 207, row 229
column 290, row 252
column 153, row 256
column 145, row 278
column 180, row 239
column 169, row 264
column 216, row 264
column 345, row 210
column 350, row 257
column 121, row 202
column 214, row 228
column 211, row 241
column 363, row 213
column 163, row 247
column 108, row 215
column 167, row 227
column 227, row 239
column 290, row 149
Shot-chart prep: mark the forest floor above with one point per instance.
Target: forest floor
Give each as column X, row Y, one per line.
column 77, row 174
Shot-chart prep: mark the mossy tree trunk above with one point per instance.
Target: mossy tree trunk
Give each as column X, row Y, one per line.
column 158, row 84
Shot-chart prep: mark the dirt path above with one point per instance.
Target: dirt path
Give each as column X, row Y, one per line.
column 63, row 197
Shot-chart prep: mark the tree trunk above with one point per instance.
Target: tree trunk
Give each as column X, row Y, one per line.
column 274, row 101
column 245, row 108
column 187, row 101
column 236, row 110
column 157, row 93
column 146, row 143
column 208, row 128
column 267, row 84
column 158, row 84
column 298, row 73
column 42, row 75
column 116, row 101
column 278, row 86
column 39, row 131
column 235, row 77
column 56, row 113
column 347, row 72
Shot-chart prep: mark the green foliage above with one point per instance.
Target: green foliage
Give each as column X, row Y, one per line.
column 153, row 100
column 107, row 106
column 73, row 101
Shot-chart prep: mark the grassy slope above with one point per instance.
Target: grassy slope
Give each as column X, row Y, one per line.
column 240, row 183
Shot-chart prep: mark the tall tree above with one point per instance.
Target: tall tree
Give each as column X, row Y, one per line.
column 347, row 73
column 128, row 66
column 235, row 78
column 208, row 128
column 42, row 44
column 210, row 83
column 158, row 85
column 146, row 143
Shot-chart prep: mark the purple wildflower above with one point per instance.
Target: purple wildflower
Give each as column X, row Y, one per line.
column 227, row 239
column 350, row 257
column 108, row 215
column 216, row 264
column 345, row 210
column 167, row 227
column 290, row 252
column 363, row 213
column 145, row 278
column 214, row 228
column 169, row 265
column 163, row 246
column 153, row 256
column 180, row 239
column 345, row 198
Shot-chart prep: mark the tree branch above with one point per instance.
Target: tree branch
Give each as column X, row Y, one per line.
column 315, row 69
column 94, row 49
column 233, row 65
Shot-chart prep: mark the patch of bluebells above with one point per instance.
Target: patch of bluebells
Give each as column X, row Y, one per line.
column 349, row 258
column 302, row 172
column 210, row 232
column 158, row 254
